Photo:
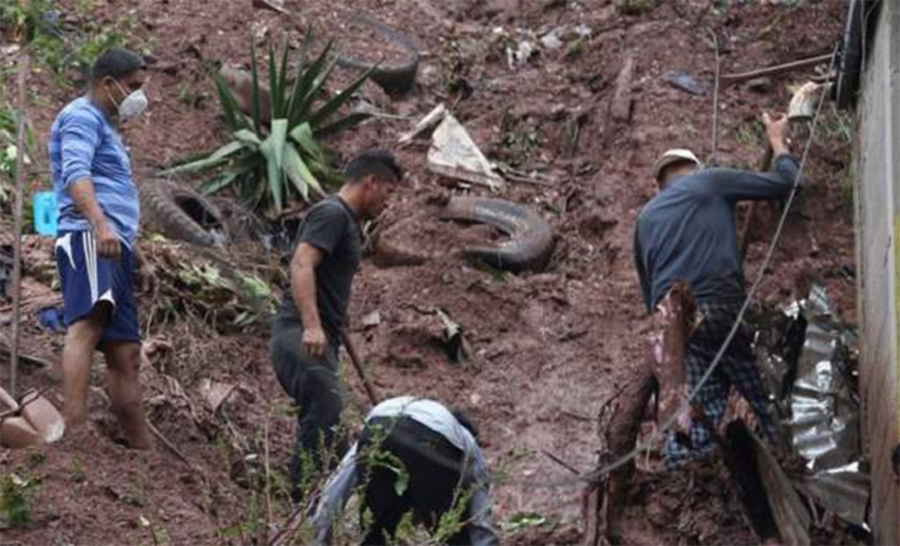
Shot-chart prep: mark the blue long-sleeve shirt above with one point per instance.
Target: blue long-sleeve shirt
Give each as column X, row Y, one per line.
column 687, row 232
column 85, row 145
column 435, row 416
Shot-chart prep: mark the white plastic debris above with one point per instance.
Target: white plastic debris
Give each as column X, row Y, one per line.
column 583, row 31
column 551, row 40
column 454, row 154
column 524, row 52
column 430, row 120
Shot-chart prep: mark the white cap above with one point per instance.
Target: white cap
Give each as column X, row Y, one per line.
column 675, row 155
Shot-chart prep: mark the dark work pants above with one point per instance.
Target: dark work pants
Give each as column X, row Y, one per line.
column 315, row 388
column 432, row 487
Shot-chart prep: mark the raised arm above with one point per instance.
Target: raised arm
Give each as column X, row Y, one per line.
column 737, row 185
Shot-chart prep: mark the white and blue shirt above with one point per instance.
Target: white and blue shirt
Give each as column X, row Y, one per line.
column 438, row 418
column 85, row 145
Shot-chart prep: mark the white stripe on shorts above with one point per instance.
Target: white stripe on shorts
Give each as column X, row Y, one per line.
column 90, row 259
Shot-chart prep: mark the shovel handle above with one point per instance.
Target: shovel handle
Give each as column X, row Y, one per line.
column 357, row 364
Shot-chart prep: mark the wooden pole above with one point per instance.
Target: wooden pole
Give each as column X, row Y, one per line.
column 778, row 69
column 19, row 220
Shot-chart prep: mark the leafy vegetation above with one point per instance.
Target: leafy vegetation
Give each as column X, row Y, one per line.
column 9, row 151
column 65, row 49
column 271, row 161
column 15, row 499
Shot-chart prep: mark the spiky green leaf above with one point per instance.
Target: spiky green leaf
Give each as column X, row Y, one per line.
column 273, row 149
column 275, row 90
column 248, row 137
column 228, row 150
column 303, row 135
column 233, row 115
column 279, row 140
column 347, row 122
column 303, row 86
column 219, row 183
column 283, row 86
column 332, row 106
column 215, row 159
column 299, row 174
column 255, row 97
column 314, row 79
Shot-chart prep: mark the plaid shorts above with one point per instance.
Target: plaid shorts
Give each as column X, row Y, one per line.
column 737, row 369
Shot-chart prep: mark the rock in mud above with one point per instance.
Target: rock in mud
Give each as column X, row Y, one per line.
column 760, row 85
column 620, row 107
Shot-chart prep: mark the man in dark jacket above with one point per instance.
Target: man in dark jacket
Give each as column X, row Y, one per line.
column 306, row 334
column 687, row 233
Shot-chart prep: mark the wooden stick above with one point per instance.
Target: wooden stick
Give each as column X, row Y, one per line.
column 159, row 435
column 24, row 358
column 561, row 462
column 168, row 443
column 777, row 69
column 19, row 220
column 357, row 363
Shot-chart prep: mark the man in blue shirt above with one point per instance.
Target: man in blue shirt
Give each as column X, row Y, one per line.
column 687, row 233
column 99, row 214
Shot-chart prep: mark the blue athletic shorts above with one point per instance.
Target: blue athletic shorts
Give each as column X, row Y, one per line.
column 88, row 280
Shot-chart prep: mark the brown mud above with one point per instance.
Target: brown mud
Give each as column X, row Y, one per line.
column 548, row 349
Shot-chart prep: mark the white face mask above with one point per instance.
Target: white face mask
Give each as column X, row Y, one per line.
column 133, row 105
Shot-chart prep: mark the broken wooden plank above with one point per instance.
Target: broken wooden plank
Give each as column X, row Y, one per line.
column 621, row 440
column 790, row 513
column 675, row 320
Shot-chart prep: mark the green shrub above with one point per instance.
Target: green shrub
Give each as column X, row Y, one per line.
column 15, row 500
column 271, row 161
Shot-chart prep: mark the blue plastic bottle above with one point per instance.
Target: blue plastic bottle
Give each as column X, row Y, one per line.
column 46, row 213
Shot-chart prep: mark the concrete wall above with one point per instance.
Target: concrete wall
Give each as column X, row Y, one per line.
column 878, row 253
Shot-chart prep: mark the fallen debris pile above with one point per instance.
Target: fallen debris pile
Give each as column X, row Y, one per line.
column 205, row 284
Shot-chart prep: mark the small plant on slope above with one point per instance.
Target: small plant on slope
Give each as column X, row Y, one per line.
column 270, row 161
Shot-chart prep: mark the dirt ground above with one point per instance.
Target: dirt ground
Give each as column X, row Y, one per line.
column 548, row 349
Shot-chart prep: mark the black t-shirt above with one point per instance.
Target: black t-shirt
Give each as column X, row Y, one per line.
column 331, row 227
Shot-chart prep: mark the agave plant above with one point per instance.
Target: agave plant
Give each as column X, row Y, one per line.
column 270, row 161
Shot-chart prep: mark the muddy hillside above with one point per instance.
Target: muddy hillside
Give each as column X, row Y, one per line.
column 576, row 100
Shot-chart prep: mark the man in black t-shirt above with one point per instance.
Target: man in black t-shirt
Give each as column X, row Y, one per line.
column 306, row 333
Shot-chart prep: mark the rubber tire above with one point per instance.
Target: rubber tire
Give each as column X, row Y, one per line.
column 395, row 79
column 163, row 212
column 531, row 239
